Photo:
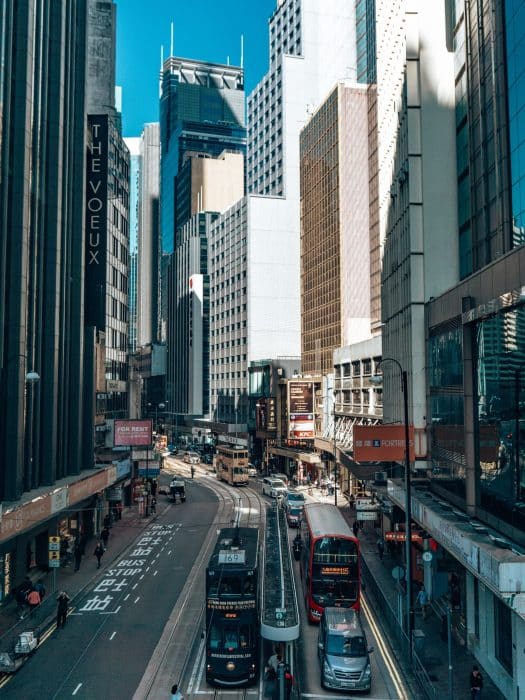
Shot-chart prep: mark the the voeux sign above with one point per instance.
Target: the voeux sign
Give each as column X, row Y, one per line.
column 96, row 219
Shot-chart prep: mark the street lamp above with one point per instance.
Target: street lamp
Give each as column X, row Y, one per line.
column 31, row 378
column 517, row 446
column 408, row 498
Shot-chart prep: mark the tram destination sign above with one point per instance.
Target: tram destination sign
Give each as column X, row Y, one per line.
column 226, row 556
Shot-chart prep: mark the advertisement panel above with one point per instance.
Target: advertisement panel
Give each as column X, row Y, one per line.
column 301, row 410
column 132, row 432
column 382, row 443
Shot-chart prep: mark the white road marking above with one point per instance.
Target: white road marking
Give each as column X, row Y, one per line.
column 112, row 635
column 111, row 612
column 148, row 568
column 169, row 552
column 155, row 573
column 127, row 596
column 135, row 586
column 77, row 689
column 141, row 576
column 137, row 599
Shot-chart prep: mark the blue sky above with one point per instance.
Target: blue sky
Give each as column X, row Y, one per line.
column 207, row 30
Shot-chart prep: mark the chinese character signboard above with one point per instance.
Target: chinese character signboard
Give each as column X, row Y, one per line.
column 382, row 443
column 301, row 410
column 132, row 432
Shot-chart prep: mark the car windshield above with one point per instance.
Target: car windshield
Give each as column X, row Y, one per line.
column 296, row 497
column 346, row 646
column 278, row 484
column 294, row 510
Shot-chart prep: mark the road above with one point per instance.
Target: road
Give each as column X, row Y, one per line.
column 137, row 629
column 109, row 638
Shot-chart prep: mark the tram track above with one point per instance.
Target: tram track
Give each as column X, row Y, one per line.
column 184, row 660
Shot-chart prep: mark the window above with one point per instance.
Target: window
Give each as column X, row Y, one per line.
column 502, row 634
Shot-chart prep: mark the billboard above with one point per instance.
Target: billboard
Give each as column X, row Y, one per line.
column 132, row 432
column 382, row 443
column 301, row 410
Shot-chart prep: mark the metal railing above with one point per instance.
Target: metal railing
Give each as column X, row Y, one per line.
column 391, row 620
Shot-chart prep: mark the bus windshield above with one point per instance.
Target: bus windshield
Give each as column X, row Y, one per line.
column 225, row 585
column 335, row 550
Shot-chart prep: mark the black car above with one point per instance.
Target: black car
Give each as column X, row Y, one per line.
column 207, row 459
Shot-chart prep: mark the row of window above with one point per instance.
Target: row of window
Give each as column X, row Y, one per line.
column 227, row 360
column 228, row 375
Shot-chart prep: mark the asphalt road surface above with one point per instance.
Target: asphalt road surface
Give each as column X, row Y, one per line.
column 108, row 640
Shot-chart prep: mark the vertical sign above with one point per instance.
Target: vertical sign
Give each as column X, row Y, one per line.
column 96, row 220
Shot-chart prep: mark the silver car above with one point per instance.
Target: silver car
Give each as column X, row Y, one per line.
column 343, row 651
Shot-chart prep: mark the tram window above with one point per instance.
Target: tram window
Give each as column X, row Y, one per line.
column 249, row 586
column 230, row 586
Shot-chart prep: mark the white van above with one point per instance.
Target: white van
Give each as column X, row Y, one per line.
column 273, row 487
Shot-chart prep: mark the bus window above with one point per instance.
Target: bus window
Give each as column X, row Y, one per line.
column 230, row 585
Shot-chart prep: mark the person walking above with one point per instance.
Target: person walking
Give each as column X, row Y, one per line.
column 33, row 600
column 104, row 535
column 175, row 693
column 422, row 601
column 39, row 586
column 380, row 548
column 99, row 553
column 78, row 555
column 476, row 683
column 62, row 608
column 355, row 528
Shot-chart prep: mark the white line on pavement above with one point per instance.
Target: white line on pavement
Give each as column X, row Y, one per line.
column 155, row 573
column 127, row 596
column 112, row 635
column 137, row 599
column 77, row 689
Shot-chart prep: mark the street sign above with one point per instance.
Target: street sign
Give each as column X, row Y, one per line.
column 54, row 544
column 398, row 573
column 54, row 556
column 427, row 556
column 280, row 613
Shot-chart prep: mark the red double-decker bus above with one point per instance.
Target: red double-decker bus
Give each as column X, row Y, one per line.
column 330, row 568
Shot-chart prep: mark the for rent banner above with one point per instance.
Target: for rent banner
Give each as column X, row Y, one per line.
column 132, row 433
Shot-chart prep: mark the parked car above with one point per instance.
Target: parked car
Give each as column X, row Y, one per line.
column 251, row 469
column 273, row 487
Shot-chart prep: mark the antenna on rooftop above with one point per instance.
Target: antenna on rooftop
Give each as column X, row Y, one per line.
column 161, row 69
column 242, row 50
column 171, row 40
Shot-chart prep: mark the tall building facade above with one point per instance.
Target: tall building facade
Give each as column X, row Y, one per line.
column 202, row 127
column 133, row 146
column 311, row 47
column 452, row 305
column 335, row 257
column 201, row 111
column 42, row 171
column 148, row 272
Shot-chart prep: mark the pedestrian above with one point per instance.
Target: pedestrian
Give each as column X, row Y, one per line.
column 62, row 608
column 21, row 599
column 476, row 683
column 119, row 510
column 104, row 535
column 39, row 586
column 98, row 553
column 272, row 665
column 355, row 528
column 351, row 501
column 289, row 682
column 78, row 555
column 175, row 693
column 422, row 601
column 381, row 548
column 153, row 505
column 107, row 520
column 33, row 600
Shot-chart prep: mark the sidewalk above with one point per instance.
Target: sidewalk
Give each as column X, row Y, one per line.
column 122, row 534
column 435, row 648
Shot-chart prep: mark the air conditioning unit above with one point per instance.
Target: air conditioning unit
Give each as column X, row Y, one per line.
column 380, row 477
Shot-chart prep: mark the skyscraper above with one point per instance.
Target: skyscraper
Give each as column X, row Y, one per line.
column 42, row 161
